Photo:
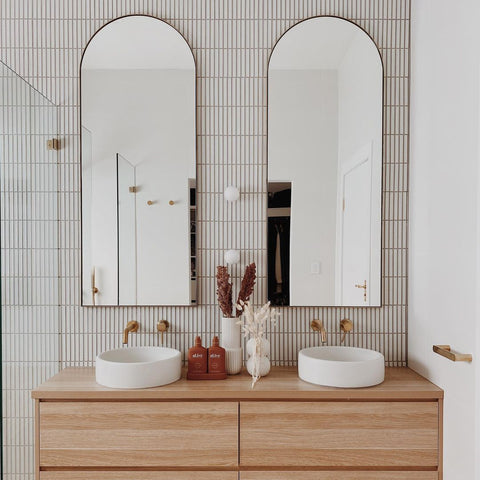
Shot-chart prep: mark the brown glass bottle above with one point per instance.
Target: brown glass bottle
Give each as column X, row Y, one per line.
column 197, row 358
column 216, row 357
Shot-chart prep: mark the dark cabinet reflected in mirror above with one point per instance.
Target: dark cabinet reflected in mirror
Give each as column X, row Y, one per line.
column 325, row 102
column 138, row 165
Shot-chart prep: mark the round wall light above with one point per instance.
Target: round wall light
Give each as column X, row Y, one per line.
column 231, row 194
column 232, row 256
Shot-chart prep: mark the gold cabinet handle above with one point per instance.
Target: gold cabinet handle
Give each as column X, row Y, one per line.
column 364, row 286
column 93, row 286
column 446, row 351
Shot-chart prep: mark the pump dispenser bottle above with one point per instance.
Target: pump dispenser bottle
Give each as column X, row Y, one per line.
column 216, row 357
column 197, row 358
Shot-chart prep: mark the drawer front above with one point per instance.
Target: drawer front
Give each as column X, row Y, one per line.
column 132, row 475
column 339, row 434
column 140, row 434
column 339, row 475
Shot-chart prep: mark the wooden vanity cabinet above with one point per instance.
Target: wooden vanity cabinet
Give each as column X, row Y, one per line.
column 284, row 429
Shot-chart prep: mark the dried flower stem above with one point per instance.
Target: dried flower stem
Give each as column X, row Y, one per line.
column 246, row 288
column 224, row 291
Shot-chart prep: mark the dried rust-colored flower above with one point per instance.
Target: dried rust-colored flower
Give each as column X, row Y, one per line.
column 246, row 288
column 224, row 291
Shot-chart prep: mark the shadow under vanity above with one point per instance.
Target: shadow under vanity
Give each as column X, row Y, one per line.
column 139, row 226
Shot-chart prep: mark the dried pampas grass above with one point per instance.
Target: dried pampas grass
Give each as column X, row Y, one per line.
column 224, row 290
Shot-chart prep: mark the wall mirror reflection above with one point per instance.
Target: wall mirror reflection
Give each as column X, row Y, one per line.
column 325, row 101
column 138, row 165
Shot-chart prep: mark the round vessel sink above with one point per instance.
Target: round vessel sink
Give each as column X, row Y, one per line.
column 346, row 367
column 138, row 367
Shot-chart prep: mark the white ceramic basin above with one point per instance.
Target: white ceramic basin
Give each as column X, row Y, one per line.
column 138, row 367
column 346, row 367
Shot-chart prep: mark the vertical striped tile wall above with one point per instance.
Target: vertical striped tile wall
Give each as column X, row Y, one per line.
column 29, row 260
column 231, row 41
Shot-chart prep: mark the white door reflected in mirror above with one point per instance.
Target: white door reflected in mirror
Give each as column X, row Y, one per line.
column 325, row 101
column 138, row 159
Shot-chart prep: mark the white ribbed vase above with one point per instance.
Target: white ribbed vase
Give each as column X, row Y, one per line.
column 231, row 341
column 233, row 360
column 230, row 333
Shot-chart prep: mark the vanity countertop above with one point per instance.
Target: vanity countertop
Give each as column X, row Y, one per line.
column 282, row 383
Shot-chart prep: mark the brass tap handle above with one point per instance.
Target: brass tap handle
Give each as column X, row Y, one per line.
column 132, row 326
column 364, row 286
column 346, row 326
column 317, row 326
column 94, row 289
column 162, row 327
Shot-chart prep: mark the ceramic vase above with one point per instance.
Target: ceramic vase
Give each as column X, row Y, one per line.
column 258, row 363
column 231, row 341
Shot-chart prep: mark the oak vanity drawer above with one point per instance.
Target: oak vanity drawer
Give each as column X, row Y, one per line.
column 140, row 434
column 339, row 475
column 138, row 475
column 339, row 434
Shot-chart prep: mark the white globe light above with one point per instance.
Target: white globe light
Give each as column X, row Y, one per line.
column 231, row 194
column 232, row 256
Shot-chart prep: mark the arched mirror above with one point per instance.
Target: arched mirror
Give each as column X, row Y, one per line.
column 325, row 101
column 138, row 165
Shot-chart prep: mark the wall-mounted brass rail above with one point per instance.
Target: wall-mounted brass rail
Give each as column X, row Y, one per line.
column 445, row 351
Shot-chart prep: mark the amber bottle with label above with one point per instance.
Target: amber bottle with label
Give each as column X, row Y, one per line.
column 197, row 358
column 216, row 357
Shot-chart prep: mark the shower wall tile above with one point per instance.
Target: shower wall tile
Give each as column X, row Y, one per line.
column 40, row 211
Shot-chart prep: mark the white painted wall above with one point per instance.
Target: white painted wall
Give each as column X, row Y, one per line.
column 303, row 150
column 444, row 272
column 151, row 114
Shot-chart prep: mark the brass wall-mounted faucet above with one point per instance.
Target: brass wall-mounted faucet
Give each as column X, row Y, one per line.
column 132, row 326
column 317, row 326
column 346, row 326
column 162, row 327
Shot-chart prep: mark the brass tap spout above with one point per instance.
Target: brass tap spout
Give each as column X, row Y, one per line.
column 317, row 325
column 132, row 326
column 346, row 326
